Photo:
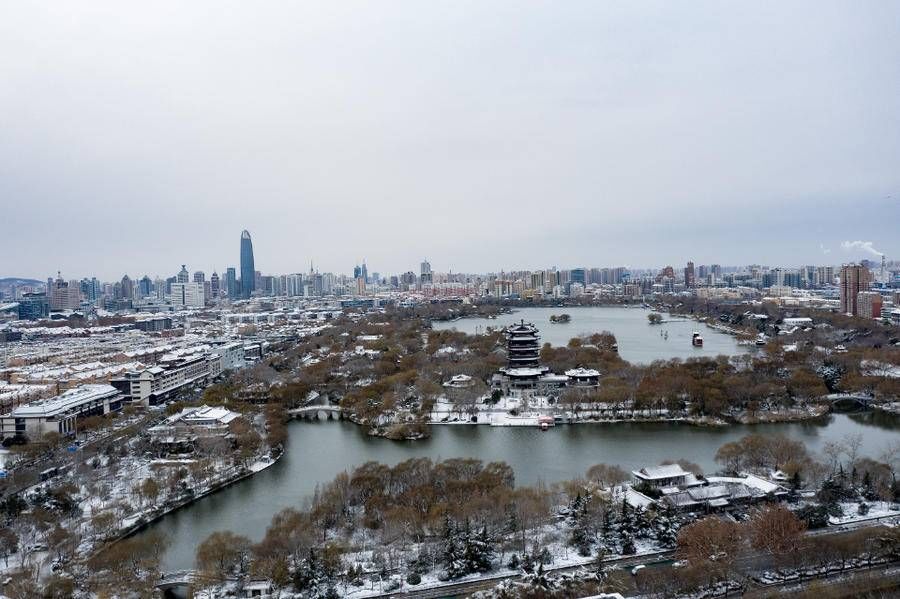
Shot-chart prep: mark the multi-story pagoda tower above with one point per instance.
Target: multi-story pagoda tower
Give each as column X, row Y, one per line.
column 524, row 372
column 523, row 346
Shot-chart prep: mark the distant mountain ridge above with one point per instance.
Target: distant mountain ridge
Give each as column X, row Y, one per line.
column 17, row 281
column 8, row 284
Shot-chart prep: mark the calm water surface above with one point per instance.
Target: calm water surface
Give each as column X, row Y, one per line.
column 639, row 341
column 317, row 452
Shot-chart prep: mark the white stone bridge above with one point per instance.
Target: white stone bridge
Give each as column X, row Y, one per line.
column 849, row 399
column 317, row 412
column 175, row 585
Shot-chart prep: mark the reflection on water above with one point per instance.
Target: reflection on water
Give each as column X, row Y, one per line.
column 877, row 418
column 317, row 451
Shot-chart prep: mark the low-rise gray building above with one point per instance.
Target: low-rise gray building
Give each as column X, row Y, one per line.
column 59, row 414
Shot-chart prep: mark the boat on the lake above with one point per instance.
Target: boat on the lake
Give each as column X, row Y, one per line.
column 696, row 339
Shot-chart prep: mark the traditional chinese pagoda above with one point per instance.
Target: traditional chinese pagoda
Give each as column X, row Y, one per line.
column 524, row 370
column 523, row 346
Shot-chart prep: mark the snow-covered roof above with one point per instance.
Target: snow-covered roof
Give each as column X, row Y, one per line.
column 708, row 492
column 632, row 497
column 554, row 378
column 582, row 372
column 203, row 415
column 212, row 413
column 750, row 480
column 797, row 321
column 522, row 327
column 681, row 500
column 459, row 380
column 660, row 472
column 524, row 371
column 70, row 399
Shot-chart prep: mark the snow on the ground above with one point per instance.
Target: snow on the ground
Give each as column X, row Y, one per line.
column 554, row 539
column 261, row 465
column 877, row 509
column 516, row 411
column 876, row 368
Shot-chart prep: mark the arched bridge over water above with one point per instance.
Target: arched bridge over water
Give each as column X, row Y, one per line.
column 317, row 412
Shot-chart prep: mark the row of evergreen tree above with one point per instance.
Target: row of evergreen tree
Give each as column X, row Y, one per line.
column 466, row 551
column 615, row 530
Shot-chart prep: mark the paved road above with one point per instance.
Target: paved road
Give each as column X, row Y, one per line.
column 887, row 576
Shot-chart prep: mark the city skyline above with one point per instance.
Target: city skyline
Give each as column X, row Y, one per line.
column 855, row 252
column 391, row 132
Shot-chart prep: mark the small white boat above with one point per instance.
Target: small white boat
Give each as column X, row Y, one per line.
column 696, row 339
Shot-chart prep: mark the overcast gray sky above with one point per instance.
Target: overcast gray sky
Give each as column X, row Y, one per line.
column 135, row 137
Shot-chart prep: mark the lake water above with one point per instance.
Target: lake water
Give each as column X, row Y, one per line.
column 318, row 451
column 639, row 342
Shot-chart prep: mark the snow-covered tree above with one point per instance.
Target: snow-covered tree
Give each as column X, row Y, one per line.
column 479, row 550
column 454, row 558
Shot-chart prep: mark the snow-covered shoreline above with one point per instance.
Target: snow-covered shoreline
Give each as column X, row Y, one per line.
column 140, row 523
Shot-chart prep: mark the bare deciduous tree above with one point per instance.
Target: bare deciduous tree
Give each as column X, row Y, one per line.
column 775, row 530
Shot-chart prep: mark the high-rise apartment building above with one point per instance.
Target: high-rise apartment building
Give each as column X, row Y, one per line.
column 214, row 285
column 127, row 287
column 231, row 283
column 868, row 304
column 90, row 289
column 188, row 295
column 64, row 296
column 145, row 286
column 690, row 279
column 824, row 275
column 578, row 275
column 702, row 272
column 426, row 277
column 854, row 278
column 248, row 268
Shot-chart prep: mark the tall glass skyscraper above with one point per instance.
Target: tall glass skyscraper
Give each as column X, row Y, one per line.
column 248, row 269
column 231, row 283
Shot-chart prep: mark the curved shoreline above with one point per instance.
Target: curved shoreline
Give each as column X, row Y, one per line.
column 142, row 525
column 720, row 423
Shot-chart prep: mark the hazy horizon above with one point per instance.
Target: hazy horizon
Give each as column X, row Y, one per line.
column 480, row 135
